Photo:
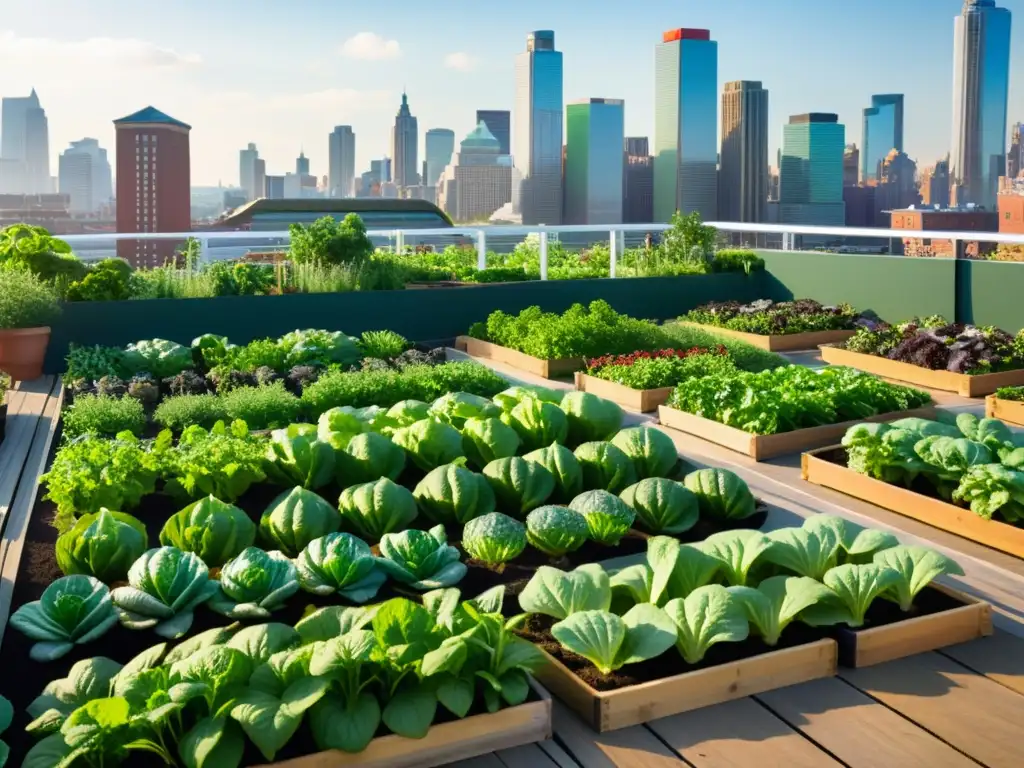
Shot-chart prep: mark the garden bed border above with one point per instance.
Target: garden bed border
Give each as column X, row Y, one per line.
column 1010, row 411
column 640, row 400
column 547, row 369
column 791, row 342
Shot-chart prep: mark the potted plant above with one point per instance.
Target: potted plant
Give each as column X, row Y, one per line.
column 27, row 306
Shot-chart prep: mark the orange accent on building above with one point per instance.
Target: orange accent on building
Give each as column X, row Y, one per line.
column 686, row 34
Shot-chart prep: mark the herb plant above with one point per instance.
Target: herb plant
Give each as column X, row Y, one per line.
column 265, row 407
column 184, row 410
column 103, row 416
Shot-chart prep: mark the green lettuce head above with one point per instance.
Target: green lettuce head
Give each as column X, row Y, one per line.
column 591, row 418
column 538, row 423
column 103, row 544
column 367, row 457
column 721, row 494
column 453, row 495
column 494, row 539
column 254, row 584
column 374, row 509
column 296, row 456
column 295, row 518
column 212, row 529
column 430, row 444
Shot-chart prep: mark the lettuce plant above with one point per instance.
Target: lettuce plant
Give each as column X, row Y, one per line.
column 736, row 552
column 333, row 621
column 159, row 357
column 917, row 568
column 652, row 451
column 707, row 616
column 609, row 642
column 254, row 584
column 672, row 570
column 212, row 529
column 165, row 586
column 991, row 488
column 375, row 509
column 339, row 425
column 722, row 495
column 367, row 457
column 777, row 601
column 494, row 539
column 295, row 518
column 564, row 467
column 556, row 531
column 86, row 680
column 513, row 396
column 102, row 544
column 348, row 717
column 519, row 485
column 73, row 610
column 223, row 462
column 560, row 594
column 538, row 423
column 590, row 417
column 855, row 541
column 486, row 440
column 453, row 495
column 662, row 506
column 608, row 517
column 605, row 467
column 261, row 641
column 456, row 408
column 853, row 588
column 421, row 559
column 339, row 562
column 429, row 443
column 296, row 456
column 809, row 552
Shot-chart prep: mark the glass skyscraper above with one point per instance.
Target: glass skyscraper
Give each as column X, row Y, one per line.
column 595, row 133
column 499, row 124
column 811, row 183
column 538, row 129
column 743, row 176
column 981, row 79
column 440, row 145
column 686, row 124
column 883, row 132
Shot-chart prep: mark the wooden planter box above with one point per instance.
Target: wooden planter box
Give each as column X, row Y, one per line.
column 866, row 647
column 935, row 512
column 1010, row 411
column 793, row 342
column 641, row 400
column 446, row 743
column 547, row 369
column 946, row 381
column 611, row 710
column 764, row 447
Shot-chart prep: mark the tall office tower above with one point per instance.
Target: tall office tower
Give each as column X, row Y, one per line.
column 273, row 187
column 405, row 146
column 153, row 183
column 638, row 181
column 439, row 146
column 851, row 165
column 595, row 134
column 341, row 145
column 686, row 124
column 248, row 177
column 897, row 186
column 499, row 124
column 743, row 175
column 84, row 175
column 24, row 147
column 934, row 186
column 478, row 180
column 883, row 131
column 981, row 78
column 538, row 129
column 811, row 183
column 1015, row 157
column 302, row 165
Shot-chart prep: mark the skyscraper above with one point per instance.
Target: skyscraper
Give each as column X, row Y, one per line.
column 405, row 146
column 538, row 129
column 595, row 134
column 153, row 183
column 24, row 146
column 439, row 146
column 478, row 181
column 686, row 124
column 1015, row 157
column 499, row 124
column 811, row 183
column 981, row 78
column 84, row 175
column 935, row 185
column 638, row 181
column 341, row 145
column 248, row 178
column 302, row 165
column 743, row 176
column 883, row 131
column 851, row 165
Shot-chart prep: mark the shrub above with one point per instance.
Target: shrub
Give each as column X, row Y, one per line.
column 103, row 416
column 183, row 411
column 265, row 407
column 327, row 241
column 26, row 300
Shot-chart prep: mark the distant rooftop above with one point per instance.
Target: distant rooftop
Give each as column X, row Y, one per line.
column 593, row 100
column 814, row 117
column 152, row 115
column 686, row 34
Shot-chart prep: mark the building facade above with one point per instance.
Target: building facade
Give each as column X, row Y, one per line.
column 686, row 125
column 743, row 172
column 84, row 176
column 811, row 176
column 981, row 79
column 251, row 172
column 405, row 146
column 439, row 148
column 945, row 220
column 341, row 162
column 24, row 147
column 851, row 166
column 934, row 186
column 478, row 181
column 499, row 123
column 273, row 187
column 595, row 135
column 153, row 183
column 638, row 181
column 1011, row 207
column 1015, row 157
column 538, row 130
column 883, row 131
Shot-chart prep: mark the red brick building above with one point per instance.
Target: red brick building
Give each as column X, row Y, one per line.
column 153, row 183
column 945, row 220
column 1011, row 205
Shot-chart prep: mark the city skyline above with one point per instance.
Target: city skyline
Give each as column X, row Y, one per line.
column 191, row 71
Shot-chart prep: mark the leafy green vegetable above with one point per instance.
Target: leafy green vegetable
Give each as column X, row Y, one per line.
column 213, row 530
column 556, row 531
column 494, row 539
column 486, row 440
column 605, row 467
column 677, row 569
column 737, row 552
column 855, row 541
column 721, row 494
column 421, row 559
column 456, row 408
column 591, row 418
column 564, row 467
column 374, row 509
column 430, row 444
column 453, row 495
column 295, row 518
column 662, row 506
column 222, row 462
column 159, row 357
column 807, row 551
column 538, row 423
column 709, row 615
column 102, row 544
column 367, row 457
column 854, row 588
column 608, row 517
column 610, row 642
column 777, row 601
column 295, row 456
column 73, row 610
column 87, row 680
column 511, row 397
column 339, row 562
column 992, row 488
column 917, row 568
column 560, row 594
column 652, row 451
column 254, row 584
column 518, row 485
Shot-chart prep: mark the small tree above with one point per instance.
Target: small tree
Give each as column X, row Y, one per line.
column 688, row 239
column 328, row 242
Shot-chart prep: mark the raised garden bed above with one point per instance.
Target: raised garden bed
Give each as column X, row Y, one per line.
column 946, row 381
column 1010, row 411
column 548, row 369
column 764, row 447
column 828, row 467
column 792, row 342
column 641, row 400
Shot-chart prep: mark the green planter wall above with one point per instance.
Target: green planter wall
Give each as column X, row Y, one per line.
column 991, row 293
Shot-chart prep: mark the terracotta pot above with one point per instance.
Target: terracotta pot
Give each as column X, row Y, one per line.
column 22, row 351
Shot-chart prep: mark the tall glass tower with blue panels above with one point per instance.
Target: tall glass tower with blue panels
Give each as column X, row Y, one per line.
column 981, row 84
column 811, row 174
column 686, row 124
column 595, row 136
column 883, row 132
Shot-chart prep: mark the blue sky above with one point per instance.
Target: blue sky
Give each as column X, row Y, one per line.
column 282, row 74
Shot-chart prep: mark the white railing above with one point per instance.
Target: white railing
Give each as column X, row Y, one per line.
column 616, row 234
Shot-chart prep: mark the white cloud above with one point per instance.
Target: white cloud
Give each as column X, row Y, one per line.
column 31, row 52
column 370, row 46
column 463, row 62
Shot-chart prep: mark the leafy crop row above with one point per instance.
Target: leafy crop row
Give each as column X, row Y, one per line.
column 768, row 318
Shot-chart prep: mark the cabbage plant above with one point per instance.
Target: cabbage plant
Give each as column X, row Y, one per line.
column 538, row 423
column 342, row 563
column 368, row 457
column 853, row 588
column 777, row 601
column 591, row 418
column 453, row 495
column 254, row 584
column 564, row 467
column 556, row 531
column 605, row 467
column 339, row 425
column 609, row 642
column 917, row 568
column 73, row 610
column 652, row 451
column 212, row 529
column 709, row 615
column 295, row 518
column 297, row 456
column 429, row 443
column 662, row 506
column 494, row 539
column 560, row 594
column 103, row 544
column 374, row 509
column 519, row 485
column 421, row 559
column 722, row 495
column 513, row 396
column 485, row 440
column 608, row 517
column 165, row 586
column 456, row 408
